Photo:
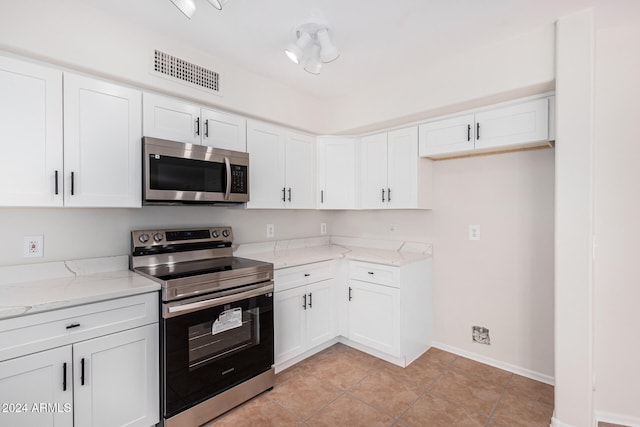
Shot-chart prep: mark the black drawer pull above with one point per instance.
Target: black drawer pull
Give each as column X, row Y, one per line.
column 307, row 274
column 350, row 293
column 371, row 272
column 73, row 325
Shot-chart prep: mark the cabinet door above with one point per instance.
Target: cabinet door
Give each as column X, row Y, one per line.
column 30, row 134
column 120, row 385
column 289, row 316
column 402, row 167
column 300, row 171
column 103, row 130
column 170, row 118
column 321, row 312
column 337, row 173
column 35, row 390
column 454, row 135
column 265, row 144
column 374, row 171
column 374, row 316
column 223, row 130
column 513, row 125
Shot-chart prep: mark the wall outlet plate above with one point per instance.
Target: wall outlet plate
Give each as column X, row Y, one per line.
column 33, row 246
column 323, row 228
column 474, row 232
column 271, row 231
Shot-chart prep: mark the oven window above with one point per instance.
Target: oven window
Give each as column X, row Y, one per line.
column 178, row 174
column 234, row 330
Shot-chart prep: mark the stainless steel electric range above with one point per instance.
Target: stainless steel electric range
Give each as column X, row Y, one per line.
column 216, row 325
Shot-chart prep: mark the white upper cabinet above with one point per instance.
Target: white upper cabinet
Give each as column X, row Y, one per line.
column 222, row 130
column 392, row 174
column 102, row 145
column 282, row 171
column 30, row 134
column 517, row 125
column 337, row 173
column 178, row 120
column 513, row 125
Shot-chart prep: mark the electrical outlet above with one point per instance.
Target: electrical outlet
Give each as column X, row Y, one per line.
column 480, row 334
column 33, row 246
column 323, row 228
column 271, row 231
column 474, row 232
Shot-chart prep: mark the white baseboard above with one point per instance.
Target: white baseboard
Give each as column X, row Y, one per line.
column 623, row 420
column 497, row 364
column 557, row 423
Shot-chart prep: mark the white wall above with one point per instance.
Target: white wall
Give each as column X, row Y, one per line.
column 617, row 210
column 519, row 66
column 72, row 34
column 86, row 233
column 504, row 281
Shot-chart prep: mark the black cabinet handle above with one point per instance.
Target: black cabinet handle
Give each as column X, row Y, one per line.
column 321, row 196
column 383, row 195
column 289, row 193
column 64, row 376
column 350, row 293
column 307, row 274
column 73, row 325
column 206, row 128
column 56, row 190
column 310, row 300
column 284, row 191
column 468, row 133
column 82, row 371
column 304, row 301
column 73, row 183
column 477, row 130
column 198, row 126
column 371, row 272
column 388, row 194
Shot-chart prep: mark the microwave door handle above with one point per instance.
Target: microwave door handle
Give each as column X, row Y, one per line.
column 228, row 168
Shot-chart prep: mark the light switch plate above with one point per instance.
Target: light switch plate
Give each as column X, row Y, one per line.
column 474, row 232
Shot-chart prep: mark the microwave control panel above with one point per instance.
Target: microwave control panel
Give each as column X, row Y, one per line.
column 239, row 179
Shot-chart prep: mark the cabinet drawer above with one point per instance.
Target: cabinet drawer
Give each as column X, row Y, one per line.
column 37, row 332
column 287, row 278
column 374, row 273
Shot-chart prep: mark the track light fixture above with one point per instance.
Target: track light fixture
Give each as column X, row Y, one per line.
column 188, row 7
column 313, row 46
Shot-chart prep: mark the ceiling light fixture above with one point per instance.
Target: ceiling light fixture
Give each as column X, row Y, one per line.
column 188, row 7
column 312, row 45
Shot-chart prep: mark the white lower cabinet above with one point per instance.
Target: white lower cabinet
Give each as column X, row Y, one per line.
column 28, row 382
column 91, row 380
column 374, row 316
column 380, row 309
column 304, row 309
column 389, row 309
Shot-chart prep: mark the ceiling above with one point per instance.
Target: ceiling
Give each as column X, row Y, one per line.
column 376, row 38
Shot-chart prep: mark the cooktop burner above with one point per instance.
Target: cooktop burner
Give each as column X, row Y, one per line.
column 166, row 272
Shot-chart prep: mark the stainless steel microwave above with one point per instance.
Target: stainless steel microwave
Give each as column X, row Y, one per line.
column 178, row 173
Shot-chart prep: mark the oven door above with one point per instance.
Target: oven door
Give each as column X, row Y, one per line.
column 213, row 345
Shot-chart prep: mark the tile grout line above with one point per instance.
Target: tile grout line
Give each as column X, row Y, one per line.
column 504, row 391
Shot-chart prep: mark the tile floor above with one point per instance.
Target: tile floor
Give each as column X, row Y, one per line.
column 341, row 386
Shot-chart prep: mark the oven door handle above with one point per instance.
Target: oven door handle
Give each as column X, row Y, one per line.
column 227, row 165
column 178, row 310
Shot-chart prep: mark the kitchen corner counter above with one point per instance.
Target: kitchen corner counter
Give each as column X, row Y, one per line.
column 33, row 288
column 291, row 253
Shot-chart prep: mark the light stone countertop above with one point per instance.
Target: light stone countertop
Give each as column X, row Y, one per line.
column 291, row 253
column 33, row 288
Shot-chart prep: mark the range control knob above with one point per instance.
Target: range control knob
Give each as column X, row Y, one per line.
column 144, row 238
column 215, row 234
column 225, row 233
column 158, row 237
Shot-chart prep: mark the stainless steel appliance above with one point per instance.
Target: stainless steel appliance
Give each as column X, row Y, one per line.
column 178, row 173
column 217, row 321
